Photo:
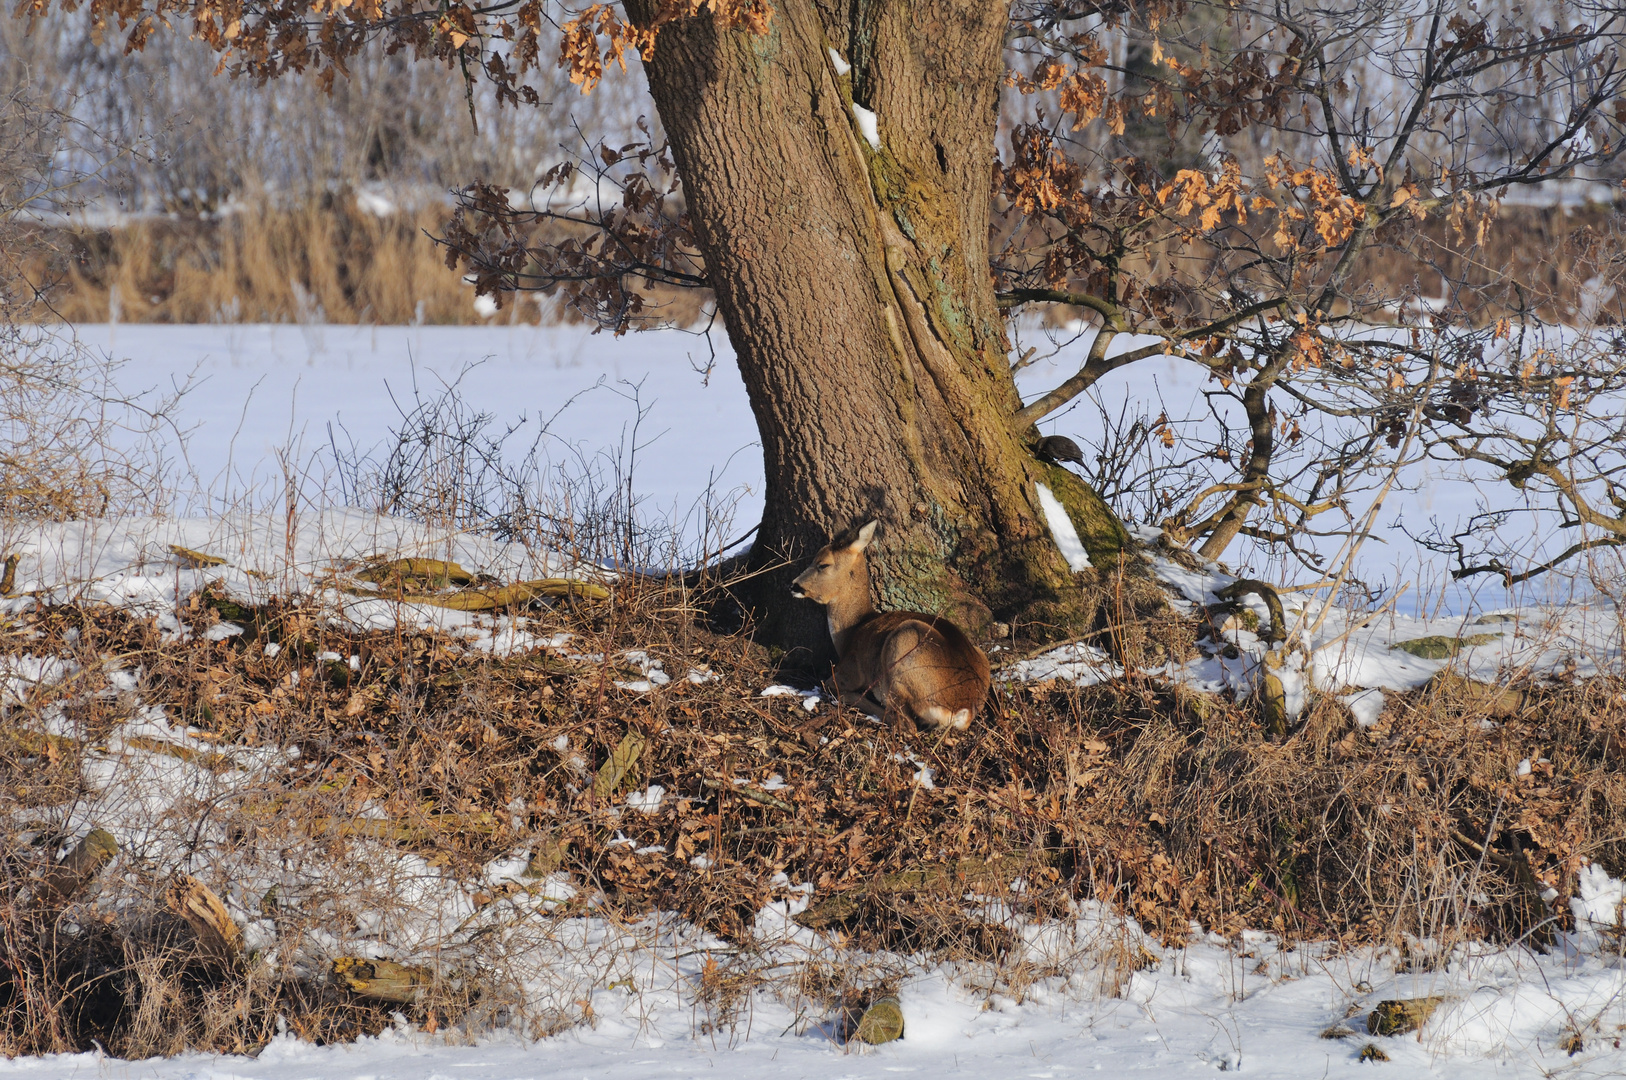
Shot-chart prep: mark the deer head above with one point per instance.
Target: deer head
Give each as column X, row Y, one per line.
column 837, row 571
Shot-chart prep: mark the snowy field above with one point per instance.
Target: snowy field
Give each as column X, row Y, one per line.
column 260, row 391
column 257, row 391
column 1104, row 999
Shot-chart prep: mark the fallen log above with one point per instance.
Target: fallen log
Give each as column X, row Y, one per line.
column 382, row 980
column 495, row 597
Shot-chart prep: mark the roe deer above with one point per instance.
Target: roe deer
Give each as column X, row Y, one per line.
column 902, row 665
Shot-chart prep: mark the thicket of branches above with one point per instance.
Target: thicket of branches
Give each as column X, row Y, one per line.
column 1306, row 205
column 72, row 443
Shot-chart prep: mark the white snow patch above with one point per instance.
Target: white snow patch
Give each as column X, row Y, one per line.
column 650, row 668
column 840, row 64
column 648, row 800
column 508, row 868
column 374, row 202
column 924, row 774
column 20, row 674
column 1599, row 904
column 810, row 698
column 1365, row 705
column 1061, row 527
column 1080, row 663
column 220, row 631
column 868, row 126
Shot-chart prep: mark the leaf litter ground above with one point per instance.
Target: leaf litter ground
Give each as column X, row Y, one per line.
column 586, row 819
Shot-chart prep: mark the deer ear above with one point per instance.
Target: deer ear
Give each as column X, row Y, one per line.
column 865, row 535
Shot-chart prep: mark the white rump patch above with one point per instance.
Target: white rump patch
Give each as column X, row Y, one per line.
column 1061, row 527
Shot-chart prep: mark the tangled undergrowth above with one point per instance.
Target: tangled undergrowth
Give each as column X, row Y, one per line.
column 1174, row 807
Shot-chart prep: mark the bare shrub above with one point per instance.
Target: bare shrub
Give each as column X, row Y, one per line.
column 72, row 444
column 450, row 464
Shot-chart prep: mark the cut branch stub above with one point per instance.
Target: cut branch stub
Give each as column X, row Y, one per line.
column 1399, row 1016
column 882, row 1022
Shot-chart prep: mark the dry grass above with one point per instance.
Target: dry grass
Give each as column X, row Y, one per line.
column 324, row 261
column 1169, row 805
column 328, row 261
column 318, row 262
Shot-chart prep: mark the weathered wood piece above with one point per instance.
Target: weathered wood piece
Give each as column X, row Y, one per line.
column 382, row 980
column 493, row 597
column 194, row 560
column 422, row 573
column 78, row 868
column 219, row 939
column 882, row 1022
column 1401, row 1015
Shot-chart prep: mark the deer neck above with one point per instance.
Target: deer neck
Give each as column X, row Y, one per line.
column 846, row 612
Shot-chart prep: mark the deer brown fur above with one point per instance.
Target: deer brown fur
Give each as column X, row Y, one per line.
column 900, row 665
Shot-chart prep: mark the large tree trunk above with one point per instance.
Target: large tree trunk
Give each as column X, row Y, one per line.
column 855, row 287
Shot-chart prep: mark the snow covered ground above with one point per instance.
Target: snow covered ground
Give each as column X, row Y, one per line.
column 1249, row 1006
column 1096, row 994
column 260, row 390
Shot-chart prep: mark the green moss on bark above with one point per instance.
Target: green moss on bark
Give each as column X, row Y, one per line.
column 1102, row 534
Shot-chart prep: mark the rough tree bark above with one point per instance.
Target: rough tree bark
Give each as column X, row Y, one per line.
column 855, row 287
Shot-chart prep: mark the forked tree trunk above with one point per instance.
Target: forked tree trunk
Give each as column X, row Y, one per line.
column 855, row 287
